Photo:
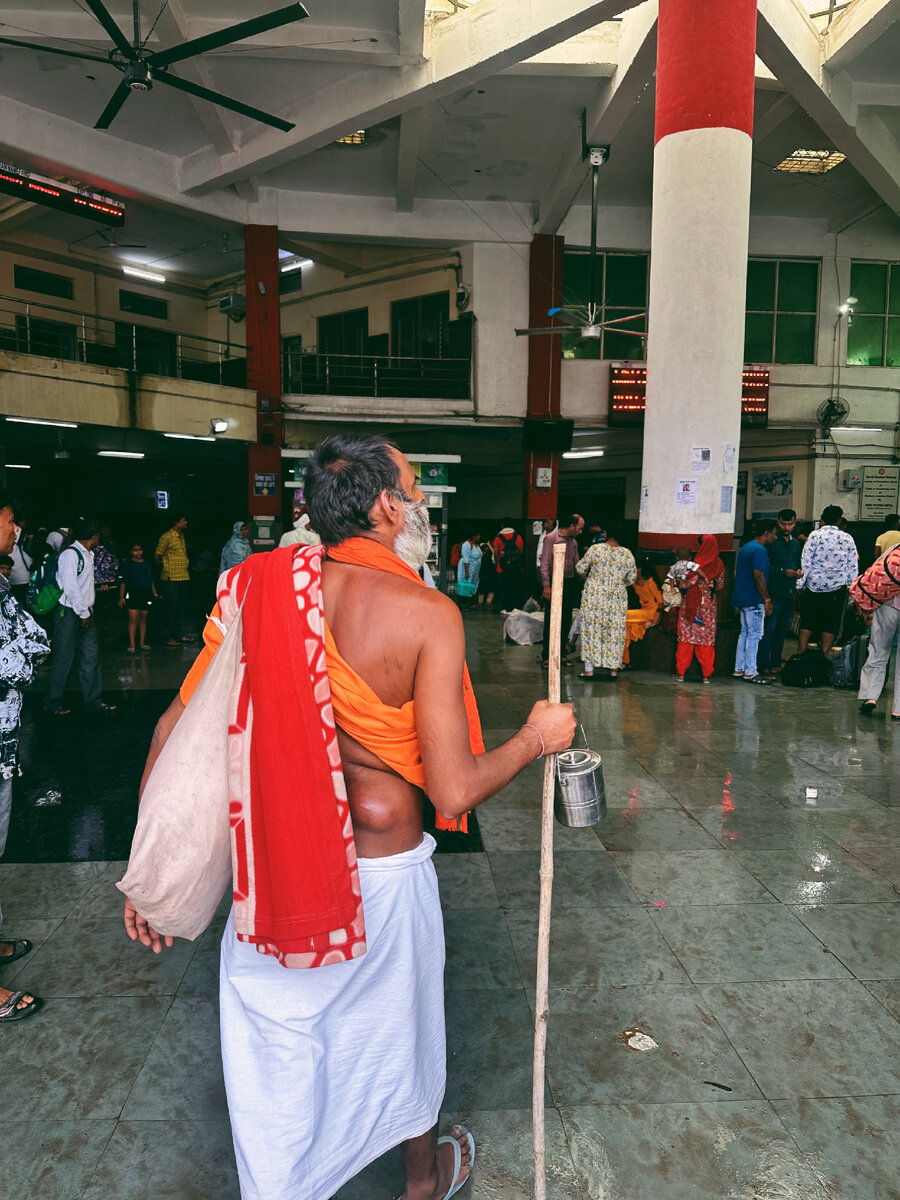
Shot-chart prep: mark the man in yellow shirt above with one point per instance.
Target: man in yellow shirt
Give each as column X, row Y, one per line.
column 890, row 537
column 171, row 555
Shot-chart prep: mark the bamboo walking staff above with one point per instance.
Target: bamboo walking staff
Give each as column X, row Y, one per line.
column 541, row 1007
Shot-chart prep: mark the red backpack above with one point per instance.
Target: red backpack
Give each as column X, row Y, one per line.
column 880, row 583
column 455, row 554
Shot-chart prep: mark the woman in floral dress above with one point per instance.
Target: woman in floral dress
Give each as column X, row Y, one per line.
column 698, row 613
column 609, row 568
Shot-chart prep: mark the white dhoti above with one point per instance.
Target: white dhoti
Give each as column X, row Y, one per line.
column 327, row 1069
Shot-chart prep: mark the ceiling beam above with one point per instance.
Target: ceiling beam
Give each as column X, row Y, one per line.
column 856, row 29
column 852, row 214
column 327, row 258
column 876, row 95
column 17, row 214
column 790, row 45
column 408, row 158
column 171, row 28
column 411, row 29
column 470, row 46
column 776, row 114
column 608, row 113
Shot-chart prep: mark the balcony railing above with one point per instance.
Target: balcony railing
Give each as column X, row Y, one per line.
column 55, row 332
column 309, row 373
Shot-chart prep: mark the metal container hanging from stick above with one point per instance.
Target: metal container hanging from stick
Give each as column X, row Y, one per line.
column 580, row 799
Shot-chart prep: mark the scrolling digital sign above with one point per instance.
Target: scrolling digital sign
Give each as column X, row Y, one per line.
column 628, row 396
column 61, row 196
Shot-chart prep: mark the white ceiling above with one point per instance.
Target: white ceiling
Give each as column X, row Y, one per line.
column 481, row 154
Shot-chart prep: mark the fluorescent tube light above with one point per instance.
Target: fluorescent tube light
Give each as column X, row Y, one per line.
column 119, row 454
column 41, row 421
column 191, row 437
column 18, row 466
column 858, row 428
column 297, row 265
column 583, row 453
column 139, row 273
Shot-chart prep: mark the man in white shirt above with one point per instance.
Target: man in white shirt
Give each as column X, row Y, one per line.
column 830, row 564
column 301, row 534
column 57, row 537
column 74, row 631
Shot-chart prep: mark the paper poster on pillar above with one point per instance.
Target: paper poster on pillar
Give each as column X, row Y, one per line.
column 686, row 493
column 701, row 460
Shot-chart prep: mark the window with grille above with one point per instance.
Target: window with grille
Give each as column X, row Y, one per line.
column 873, row 336
column 622, row 288
column 782, row 307
column 144, row 306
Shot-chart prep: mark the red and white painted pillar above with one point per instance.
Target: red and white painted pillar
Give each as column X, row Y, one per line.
column 698, row 271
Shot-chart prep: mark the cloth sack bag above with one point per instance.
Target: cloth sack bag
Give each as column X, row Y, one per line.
column 880, row 583
column 180, row 863
column 671, row 595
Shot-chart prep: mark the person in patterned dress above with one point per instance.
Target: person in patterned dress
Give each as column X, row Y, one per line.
column 608, row 568
column 698, row 613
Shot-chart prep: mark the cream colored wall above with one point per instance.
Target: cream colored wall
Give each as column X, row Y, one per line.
column 96, row 292
column 326, row 291
column 32, row 386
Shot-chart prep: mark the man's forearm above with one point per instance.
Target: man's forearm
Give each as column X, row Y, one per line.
column 484, row 775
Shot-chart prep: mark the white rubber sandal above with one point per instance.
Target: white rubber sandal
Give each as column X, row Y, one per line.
column 457, row 1158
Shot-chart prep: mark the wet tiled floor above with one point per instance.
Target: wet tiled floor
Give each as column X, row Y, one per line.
column 746, row 925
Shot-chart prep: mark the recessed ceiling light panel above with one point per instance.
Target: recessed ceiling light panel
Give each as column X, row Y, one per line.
column 811, row 162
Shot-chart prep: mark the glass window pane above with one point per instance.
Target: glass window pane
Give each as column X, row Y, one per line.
column 626, row 279
column 798, row 287
column 575, row 346
column 865, row 342
column 758, row 338
column 795, row 339
column 868, row 283
column 893, row 342
column 760, row 287
column 576, row 274
column 620, row 345
column 894, row 299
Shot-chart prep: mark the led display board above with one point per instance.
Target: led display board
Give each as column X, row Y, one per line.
column 628, row 395
column 62, row 196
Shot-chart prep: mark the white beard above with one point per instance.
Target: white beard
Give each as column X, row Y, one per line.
column 413, row 542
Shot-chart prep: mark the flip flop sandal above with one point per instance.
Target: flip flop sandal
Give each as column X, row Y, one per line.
column 21, row 947
column 457, row 1159
column 9, row 1011
column 57, row 712
column 760, row 680
column 867, row 708
column 585, row 675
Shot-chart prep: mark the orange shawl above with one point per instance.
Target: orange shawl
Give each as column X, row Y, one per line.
column 390, row 733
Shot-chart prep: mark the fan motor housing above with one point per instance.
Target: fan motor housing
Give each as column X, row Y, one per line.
column 138, row 77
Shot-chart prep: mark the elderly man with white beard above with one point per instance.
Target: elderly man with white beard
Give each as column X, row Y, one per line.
column 354, row 704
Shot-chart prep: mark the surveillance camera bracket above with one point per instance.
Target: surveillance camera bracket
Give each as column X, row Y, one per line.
column 597, row 154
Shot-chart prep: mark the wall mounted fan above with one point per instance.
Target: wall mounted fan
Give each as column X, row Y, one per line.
column 142, row 68
column 832, row 412
column 586, row 317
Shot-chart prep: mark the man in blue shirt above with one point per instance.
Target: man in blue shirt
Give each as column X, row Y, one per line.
column 784, row 571
column 751, row 596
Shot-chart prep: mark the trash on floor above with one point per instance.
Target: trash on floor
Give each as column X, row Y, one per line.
column 636, row 1039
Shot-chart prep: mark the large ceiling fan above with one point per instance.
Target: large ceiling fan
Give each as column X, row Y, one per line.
column 142, row 68
column 586, row 317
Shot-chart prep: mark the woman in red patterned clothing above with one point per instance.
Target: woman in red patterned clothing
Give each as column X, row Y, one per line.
column 698, row 613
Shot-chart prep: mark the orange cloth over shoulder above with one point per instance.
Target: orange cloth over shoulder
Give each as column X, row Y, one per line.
column 390, row 733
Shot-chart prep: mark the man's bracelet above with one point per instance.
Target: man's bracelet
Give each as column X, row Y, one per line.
column 540, row 753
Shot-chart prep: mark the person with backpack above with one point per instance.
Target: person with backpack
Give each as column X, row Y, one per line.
column 74, row 630
column 830, row 564
column 509, row 555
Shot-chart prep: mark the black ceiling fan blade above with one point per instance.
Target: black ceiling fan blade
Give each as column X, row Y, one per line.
column 202, row 93
column 100, row 58
column 234, row 33
column 100, row 11
column 560, row 329
column 109, row 114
